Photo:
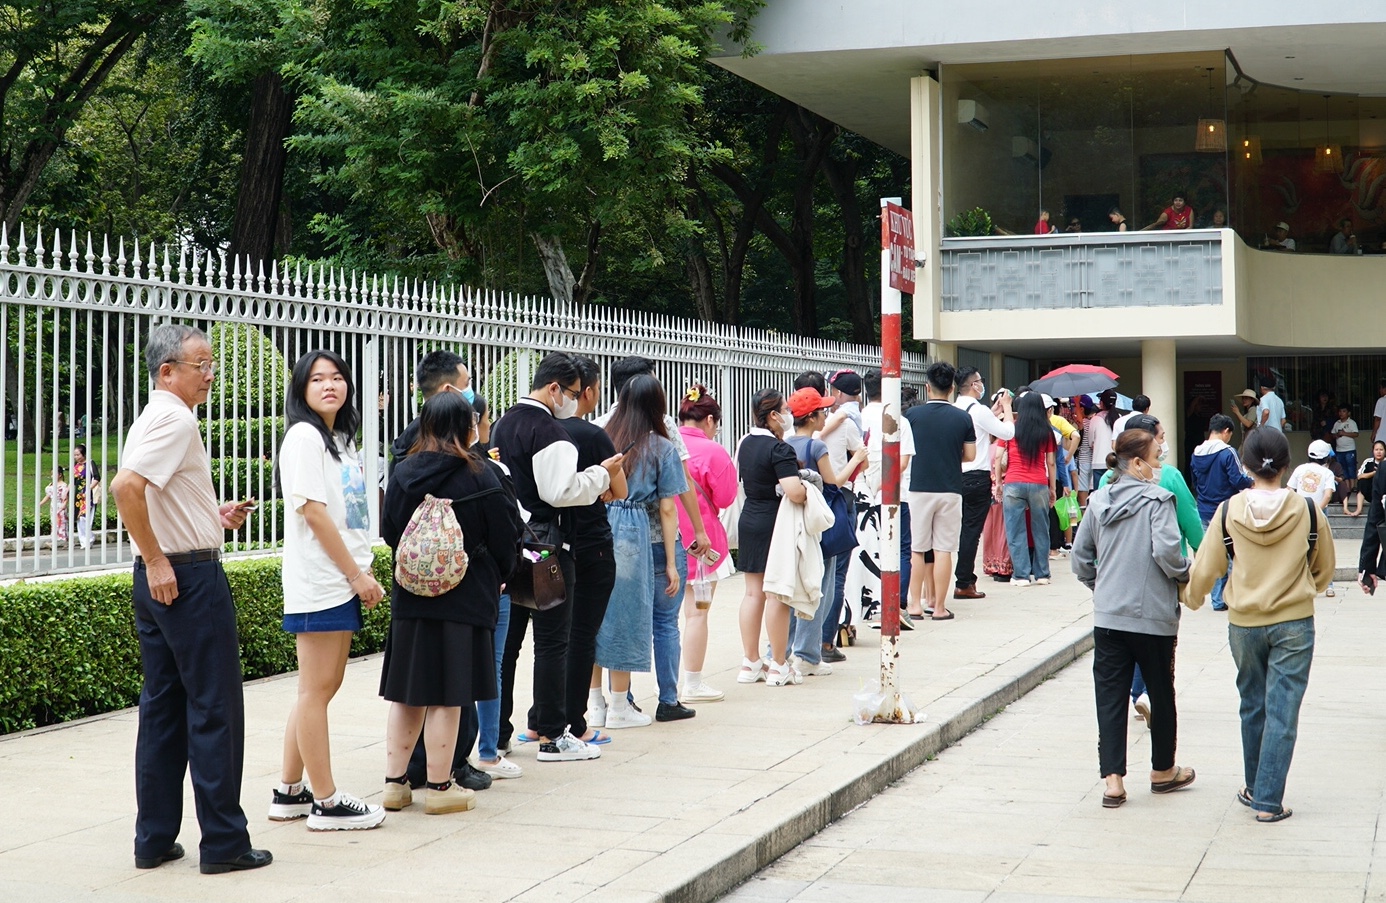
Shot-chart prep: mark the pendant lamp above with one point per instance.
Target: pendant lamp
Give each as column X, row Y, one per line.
column 1328, row 157
column 1212, row 133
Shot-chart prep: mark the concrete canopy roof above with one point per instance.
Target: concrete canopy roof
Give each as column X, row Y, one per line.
column 851, row 62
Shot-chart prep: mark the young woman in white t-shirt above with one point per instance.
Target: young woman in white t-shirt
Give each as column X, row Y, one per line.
column 327, row 579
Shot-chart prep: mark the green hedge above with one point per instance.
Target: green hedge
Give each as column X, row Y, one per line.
column 247, row 438
column 68, row 648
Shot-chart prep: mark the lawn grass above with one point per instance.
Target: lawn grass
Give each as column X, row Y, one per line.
column 38, row 469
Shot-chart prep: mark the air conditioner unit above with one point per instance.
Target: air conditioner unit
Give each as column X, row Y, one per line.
column 1024, row 148
column 970, row 112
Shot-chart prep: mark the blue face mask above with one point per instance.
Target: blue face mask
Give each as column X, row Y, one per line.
column 468, row 394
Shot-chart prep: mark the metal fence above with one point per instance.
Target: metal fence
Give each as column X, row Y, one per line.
column 75, row 315
column 1098, row 270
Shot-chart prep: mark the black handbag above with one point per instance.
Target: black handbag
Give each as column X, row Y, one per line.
column 538, row 582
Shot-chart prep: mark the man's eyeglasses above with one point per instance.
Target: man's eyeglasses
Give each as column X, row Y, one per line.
column 574, row 395
column 204, row 367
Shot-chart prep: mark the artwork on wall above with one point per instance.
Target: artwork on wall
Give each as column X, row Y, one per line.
column 1292, row 191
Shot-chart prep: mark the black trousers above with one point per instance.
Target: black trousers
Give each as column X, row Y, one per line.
column 192, row 714
column 976, row 501
column 548, row 714
column 596, row 576
column 1115, row 655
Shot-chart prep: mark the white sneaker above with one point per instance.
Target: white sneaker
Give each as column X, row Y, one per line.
column 1143, row 709
column 1042, row 581
column 627, row 717
column 347, row 814
column 751, row 671
column 567, row 748
column 596, row 716
column 502, row 768
column 780, row 675
column 701, row 692
column 822, row 669
column 1021, row 581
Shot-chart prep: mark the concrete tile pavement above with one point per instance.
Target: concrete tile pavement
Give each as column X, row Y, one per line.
column 1012, row 812
column 670, row 812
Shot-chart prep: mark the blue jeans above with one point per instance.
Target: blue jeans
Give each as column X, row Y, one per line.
column 667, row 645
column 488, row 710
column 1272, row 674
column 806, row 636
column 834, row 616
column 1016, row 498
column 906, row 567
column 1218, row 604
column 1137, row 684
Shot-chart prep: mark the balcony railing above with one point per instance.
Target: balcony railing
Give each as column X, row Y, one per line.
column 1083, row 270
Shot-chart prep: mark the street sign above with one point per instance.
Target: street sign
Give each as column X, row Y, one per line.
column 897, row 237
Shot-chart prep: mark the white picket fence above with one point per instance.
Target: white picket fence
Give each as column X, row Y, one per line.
column 72, row 371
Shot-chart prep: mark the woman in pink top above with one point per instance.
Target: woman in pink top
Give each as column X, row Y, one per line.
column 714, row 482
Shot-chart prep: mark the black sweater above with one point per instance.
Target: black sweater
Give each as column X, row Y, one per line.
column 490, row 520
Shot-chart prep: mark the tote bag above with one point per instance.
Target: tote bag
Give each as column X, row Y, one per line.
column 996, row 555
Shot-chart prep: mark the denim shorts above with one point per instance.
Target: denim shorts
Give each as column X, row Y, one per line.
column 346, row 616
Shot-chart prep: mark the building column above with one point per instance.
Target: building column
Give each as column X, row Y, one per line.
column 1159, row 381
column 925, row 182
column 997, row 377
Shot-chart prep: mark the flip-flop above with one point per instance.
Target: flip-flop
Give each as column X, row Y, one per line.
column 1244, row 797
column 523, row 737
column 947, row 617
column 598, row 739
column 1278, row 816
column 1112, row 802
column 1183, row 777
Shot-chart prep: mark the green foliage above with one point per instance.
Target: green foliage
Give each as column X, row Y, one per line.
column 68, row 648
column 252, row 438
column 970, row 222
column 253, row 375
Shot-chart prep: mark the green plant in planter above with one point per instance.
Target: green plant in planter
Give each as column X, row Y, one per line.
column 970, row 222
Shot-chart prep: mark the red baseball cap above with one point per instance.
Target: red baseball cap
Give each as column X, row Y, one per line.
column 807, row 400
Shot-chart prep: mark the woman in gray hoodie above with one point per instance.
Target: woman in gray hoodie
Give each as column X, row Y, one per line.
column 1127, row 552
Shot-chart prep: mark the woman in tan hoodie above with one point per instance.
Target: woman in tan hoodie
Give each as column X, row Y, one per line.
column 1281, row 567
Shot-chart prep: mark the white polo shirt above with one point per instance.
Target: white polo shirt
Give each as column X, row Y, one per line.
column 165, row 447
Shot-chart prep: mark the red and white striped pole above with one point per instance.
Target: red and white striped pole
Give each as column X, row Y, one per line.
column 892, row 709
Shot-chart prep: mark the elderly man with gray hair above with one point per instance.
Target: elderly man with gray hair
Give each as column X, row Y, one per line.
column 192, row 711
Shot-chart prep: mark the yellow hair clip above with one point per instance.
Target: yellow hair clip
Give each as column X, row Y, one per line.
column 694, row 394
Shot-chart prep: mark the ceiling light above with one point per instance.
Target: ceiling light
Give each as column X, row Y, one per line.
column 1211, row 137
column 1328, row 157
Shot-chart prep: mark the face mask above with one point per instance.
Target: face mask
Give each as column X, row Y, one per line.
column 981, row 390
column 1154, row 475
column 1164, row 449
column 566, row 408
column 786, row 422
column 468, row 394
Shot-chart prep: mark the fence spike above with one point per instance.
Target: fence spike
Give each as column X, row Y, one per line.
column 38, row 247
column 211, row 269
column 260, row 276
column 182, row 260
column 72, row 249
column 298, row 278
column 106, row 254
column 23, row 248
column 89, row 257
column 236, row 282
column 4, row 243
column 168, row 267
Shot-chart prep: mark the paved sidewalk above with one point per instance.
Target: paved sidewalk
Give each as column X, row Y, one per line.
column 1013, row 812
column 678, row 812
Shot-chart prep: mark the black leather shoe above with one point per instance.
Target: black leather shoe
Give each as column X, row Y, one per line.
column 676, row 712
column 153, row 862
column 831, row 654
column 471, row 778
column 250, row 859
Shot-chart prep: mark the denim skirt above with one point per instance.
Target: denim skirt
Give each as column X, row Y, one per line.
column 346, row 616
column 625, row 639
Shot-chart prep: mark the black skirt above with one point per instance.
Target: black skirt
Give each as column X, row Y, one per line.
column 754, row 530
column 432, row 662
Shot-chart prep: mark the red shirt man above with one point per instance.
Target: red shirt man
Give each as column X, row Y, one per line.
column 1177, row 215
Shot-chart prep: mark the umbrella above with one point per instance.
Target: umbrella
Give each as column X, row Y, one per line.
column 1075, row 379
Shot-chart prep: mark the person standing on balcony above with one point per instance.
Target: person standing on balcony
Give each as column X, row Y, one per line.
column 1117, row 218
column 1178, row 215
column 1043, row 226
column 989, row 426
column 192, row 709
column 327, row 578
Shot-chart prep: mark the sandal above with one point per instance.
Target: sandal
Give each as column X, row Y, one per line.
column 1266, row 818
column 1244, row 797
column 1183, row 777
column 1112, row 802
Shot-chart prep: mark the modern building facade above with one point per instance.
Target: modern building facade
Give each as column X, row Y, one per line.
column 1257, row 113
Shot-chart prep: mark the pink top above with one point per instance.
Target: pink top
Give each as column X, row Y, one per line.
column 714, row 478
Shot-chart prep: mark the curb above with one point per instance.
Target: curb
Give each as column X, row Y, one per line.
column 752, row 854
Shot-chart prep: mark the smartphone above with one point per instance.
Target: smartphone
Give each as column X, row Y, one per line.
column 634, row 442
column 248, row 505
column 709, row 555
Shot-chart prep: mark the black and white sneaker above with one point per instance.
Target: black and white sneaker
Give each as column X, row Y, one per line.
column 567, row 748
column 290, row 806
column 347, row 814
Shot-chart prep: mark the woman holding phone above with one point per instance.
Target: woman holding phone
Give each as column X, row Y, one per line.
column 327, row 579
column 645, row 601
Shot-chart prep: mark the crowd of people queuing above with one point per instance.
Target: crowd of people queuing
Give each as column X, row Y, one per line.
column 637, row 512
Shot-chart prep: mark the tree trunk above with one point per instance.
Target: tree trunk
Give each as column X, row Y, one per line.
column 555, row 263
column 842, row 179
column 262, row 170
column 700, row 280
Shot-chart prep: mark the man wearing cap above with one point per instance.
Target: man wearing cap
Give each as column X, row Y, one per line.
column 944, row 439
column 1177, row 215
column 1270, row 410
column 1280, row 240
column 989, row 424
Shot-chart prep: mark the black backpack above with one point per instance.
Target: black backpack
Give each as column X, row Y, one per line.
column 1313, row 531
